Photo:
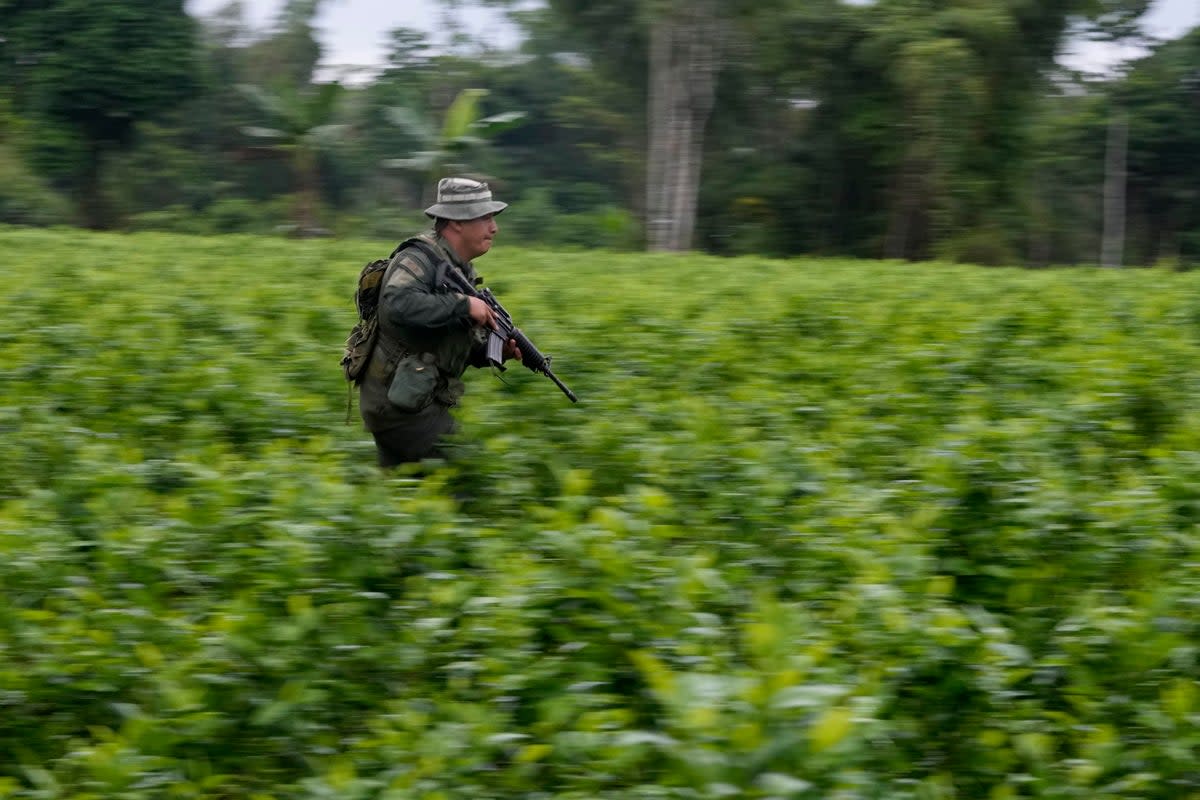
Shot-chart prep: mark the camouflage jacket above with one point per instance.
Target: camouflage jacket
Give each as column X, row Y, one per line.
column 416, row 315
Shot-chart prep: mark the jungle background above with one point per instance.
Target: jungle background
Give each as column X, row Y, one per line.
column 895, row 129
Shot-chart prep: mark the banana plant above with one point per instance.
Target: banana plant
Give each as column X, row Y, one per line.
column 301, row 127
column 448, row 149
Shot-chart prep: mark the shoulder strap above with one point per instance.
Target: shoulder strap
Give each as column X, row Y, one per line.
column 439, row 262
column 392, row 262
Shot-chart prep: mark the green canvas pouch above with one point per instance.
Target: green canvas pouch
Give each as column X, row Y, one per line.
column 414, row 383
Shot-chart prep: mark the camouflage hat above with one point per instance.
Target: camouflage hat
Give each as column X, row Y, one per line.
column 463, row 199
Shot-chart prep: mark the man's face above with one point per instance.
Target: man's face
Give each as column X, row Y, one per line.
column 474, row 236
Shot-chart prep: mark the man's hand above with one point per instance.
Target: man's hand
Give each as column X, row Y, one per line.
column 481, row 313
column 511, row 351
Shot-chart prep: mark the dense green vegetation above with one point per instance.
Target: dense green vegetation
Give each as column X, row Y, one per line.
column 946, row 129
column 818, row 529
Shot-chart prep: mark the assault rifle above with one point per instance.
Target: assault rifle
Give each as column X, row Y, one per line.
column 531, row 357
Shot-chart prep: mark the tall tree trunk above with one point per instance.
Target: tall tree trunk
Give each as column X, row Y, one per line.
column 304, row 162
column 1040, row 239
column 658, row 224
column 912, row 191
column 685, row 53
column 909, row 195
column 1113, row 248
column 93, row 207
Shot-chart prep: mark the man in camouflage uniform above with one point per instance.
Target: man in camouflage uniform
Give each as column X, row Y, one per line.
column 425, row 326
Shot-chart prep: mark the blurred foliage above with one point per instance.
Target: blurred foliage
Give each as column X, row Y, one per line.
column 302, row 123
column 25, row 199
column 288, row 57
column 817, row 529
column 448, row 150
column 90, row 72
column 896, row 128
column 1161, row 96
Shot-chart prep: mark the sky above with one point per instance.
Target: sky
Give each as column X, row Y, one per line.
column 353, row 32
column 1167, row 19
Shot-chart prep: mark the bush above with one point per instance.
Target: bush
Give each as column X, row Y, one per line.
column 382, row 223
column 24, row 198
column 175, row 218
column 225, row 215
column 236, row 215
column 534, row 219
column 843, row 531
column 608, row 228
column 989, row 246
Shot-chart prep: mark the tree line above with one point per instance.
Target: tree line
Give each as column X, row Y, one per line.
column 908, row 129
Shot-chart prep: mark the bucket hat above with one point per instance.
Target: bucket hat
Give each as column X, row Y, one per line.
column 463, row 199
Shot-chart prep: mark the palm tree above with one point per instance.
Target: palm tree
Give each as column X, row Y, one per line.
column 447, row 150
column 301, row 126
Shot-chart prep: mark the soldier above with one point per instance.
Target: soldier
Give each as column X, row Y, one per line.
column 427, row 334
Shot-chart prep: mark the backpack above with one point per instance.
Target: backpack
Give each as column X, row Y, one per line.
column 361, row 341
